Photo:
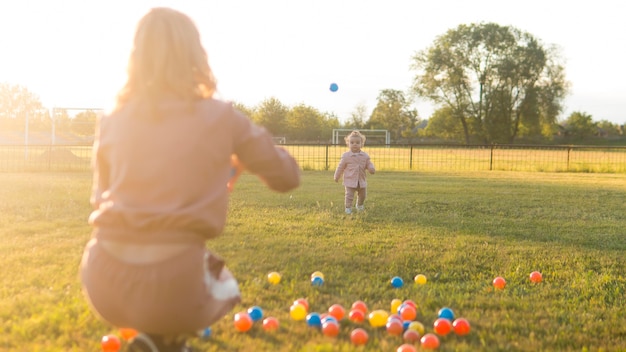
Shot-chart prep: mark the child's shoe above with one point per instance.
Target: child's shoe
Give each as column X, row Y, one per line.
column 360, row 207
column 348, row 210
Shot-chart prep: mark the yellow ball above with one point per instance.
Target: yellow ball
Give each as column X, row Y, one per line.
column 378, row 318
column 298, row 311
column 318, row 274
column 417, row 326
column 395, row 304
column 420, row 279
column 273, row 278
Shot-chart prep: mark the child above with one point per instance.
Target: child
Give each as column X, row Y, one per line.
column 162, row 161
column 352, row 166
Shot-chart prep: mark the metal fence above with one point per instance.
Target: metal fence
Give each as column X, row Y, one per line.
column 415, row 157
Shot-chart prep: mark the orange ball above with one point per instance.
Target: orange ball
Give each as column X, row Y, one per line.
column 242, row 321
column 360, row 305
column 406, row 348
column 356, row 316
column 330, row 328
column 302, row 301
column 270, row 324
column 359, row 336
column 442, row 326
column 430, row 341
column 536, row 277
column 411, row 336
column 461, row 326
column 110, row 343
column 394, row 327
column 408, row 312
column 499, row 283
column 128, row 333
column 337, row 311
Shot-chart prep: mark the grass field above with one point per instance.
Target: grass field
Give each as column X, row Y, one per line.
column 459, row 229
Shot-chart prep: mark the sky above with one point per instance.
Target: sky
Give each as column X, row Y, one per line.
column 73, row 53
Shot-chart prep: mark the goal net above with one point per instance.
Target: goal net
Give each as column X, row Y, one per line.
column 372, row 136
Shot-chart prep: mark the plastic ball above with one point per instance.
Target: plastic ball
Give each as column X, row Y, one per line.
column 356, row 316
column 411, row 336
column 394, row 327
column 317, row 281
column 314, row 320
column 359, row 305
column 317, row 273
column 408, row 312
column 337, row 311
column 461, row 326
column 397, row 282
column 256, row 313
column 242, row 321
column 302, row 301
column 330, row 328
column 430, row 341
column 297, row 311
column 442, row 326
column 420, row 279
column 359, row 336
column 128, row 333
column 334, row 87
column 536, row 277
column 499, row 283
column 378, row 318
column 273, row 278
column 110, row 343
column 205, row 333
column 395, row 304
column 270, row 324
column 446, row 313
column 410, row 303
column 417, row 326
column 406, row 348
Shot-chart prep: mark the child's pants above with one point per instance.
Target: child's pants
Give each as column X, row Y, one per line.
column 179, row 295
column 361, row 193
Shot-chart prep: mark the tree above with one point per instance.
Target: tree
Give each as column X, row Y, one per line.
column 496, row 80
column 248, row 111
column 444, row 124
column 305, row 123
column 393, row 113
column 357, row 117
column 16, row 104
column 580, row 125
column 84, row 123
column 272, row 114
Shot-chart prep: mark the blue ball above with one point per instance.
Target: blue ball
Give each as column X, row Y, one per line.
column 206, row 333
column 334, row 87
column 313, row 320
column 256, row 313
column 397, row 282
column 317, row 281
column 446, row 313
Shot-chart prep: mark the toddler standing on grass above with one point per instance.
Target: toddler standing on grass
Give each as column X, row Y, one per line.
column 352, row 167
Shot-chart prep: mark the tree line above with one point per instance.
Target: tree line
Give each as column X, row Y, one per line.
column 489, row 84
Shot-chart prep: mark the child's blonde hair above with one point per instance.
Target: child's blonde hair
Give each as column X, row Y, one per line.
column 167, row 59
column 355, row 134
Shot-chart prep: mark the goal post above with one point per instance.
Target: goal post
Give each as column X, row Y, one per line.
column 375, row 136
column 83, row 122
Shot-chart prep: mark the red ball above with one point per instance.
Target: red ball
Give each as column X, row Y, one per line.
column 242, row 321
column 536, row 277
column 337, row 311
column 302, row 301
column 360, row 305
column 411, row 336
column 406, row 348
column 270, row 324
column 359, row 336
column 394, row 327
column 110, row 343
column 356, row 316
column 330, row 328
column 442, row 326
column 461, row 326
column 430, row 341
column 499, row 283
column 408, row 312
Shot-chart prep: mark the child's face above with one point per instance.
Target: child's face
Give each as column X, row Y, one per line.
column 355, row 144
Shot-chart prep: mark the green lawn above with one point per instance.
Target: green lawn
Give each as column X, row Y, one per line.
column 459, row 229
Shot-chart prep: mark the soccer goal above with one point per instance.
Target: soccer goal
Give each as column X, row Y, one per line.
column 372, row 136
column 72, row 125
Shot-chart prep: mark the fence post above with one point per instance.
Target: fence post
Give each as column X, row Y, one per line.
column 411, row 158
column 491, row 158
column 327, row 161
column 568, row 154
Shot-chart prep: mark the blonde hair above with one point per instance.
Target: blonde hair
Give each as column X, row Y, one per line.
column 355, row 134
column 167, row 59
